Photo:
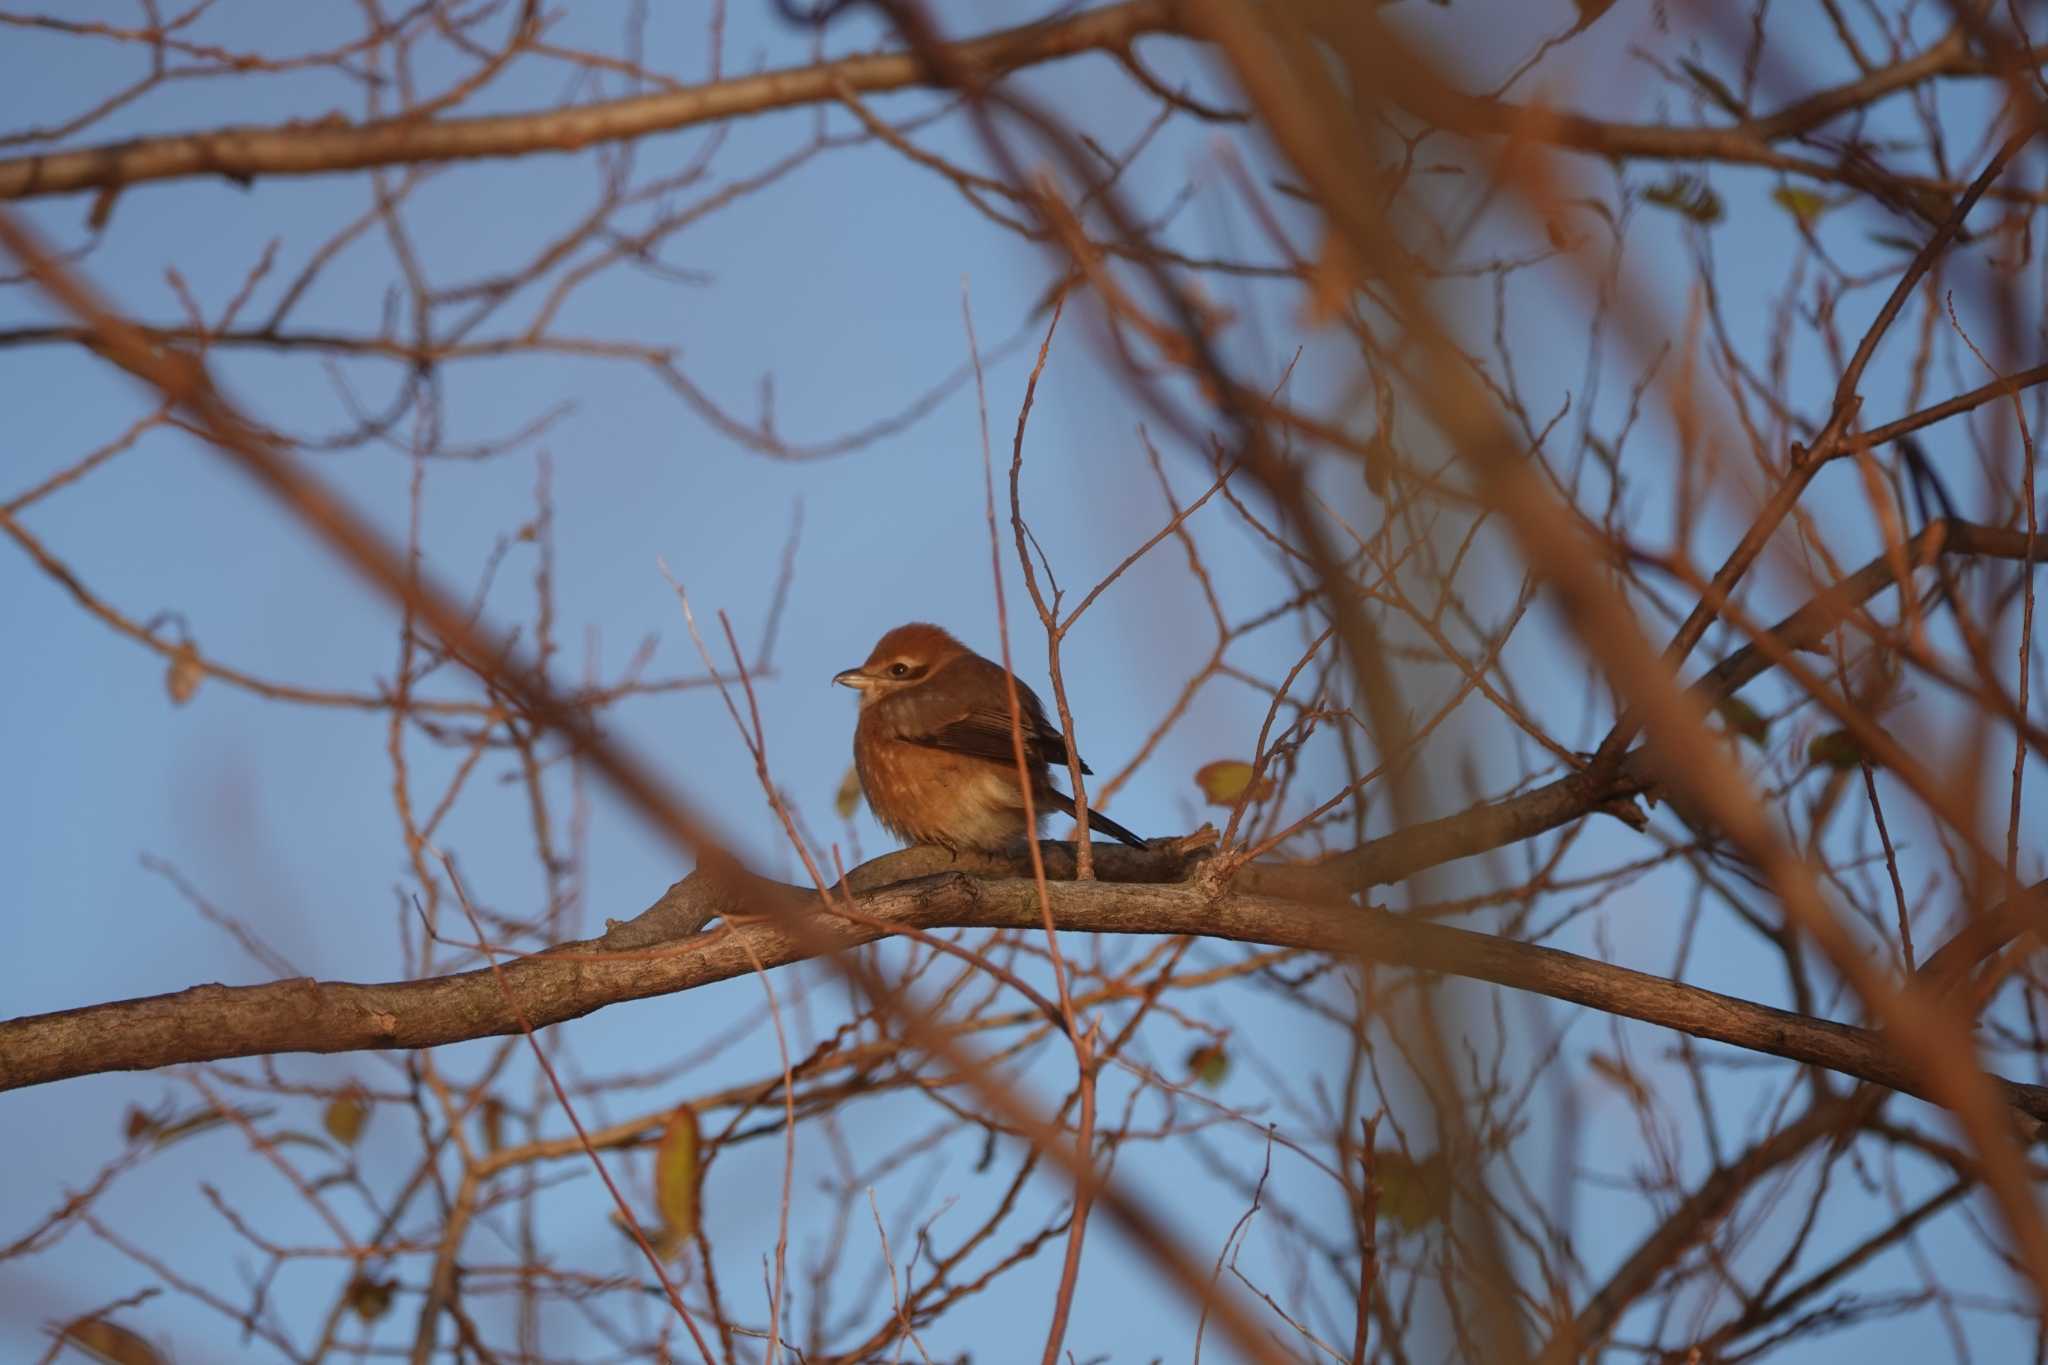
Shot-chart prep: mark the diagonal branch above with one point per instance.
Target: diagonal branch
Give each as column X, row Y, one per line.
column 1393, row 857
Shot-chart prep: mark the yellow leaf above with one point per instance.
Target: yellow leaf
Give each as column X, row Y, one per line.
column 102, row 1340
column 1805, row 205
column 1378, row 460
column 847, row 800
column 491, row 1114
column 1412, row 1193
column 1742, row 719
column 370, row 1299
column 346, row 1114
column 1227, row 779
column 678, row 1177
column 140, row 1123
column 1687, row 194
column 181, row 679
column 1835, row 749
column 1209, row 1064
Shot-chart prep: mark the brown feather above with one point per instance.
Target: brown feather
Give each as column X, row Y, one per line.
column 935, row 746
column 962, row 706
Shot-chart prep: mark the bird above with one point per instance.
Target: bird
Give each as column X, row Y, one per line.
column 934, row 745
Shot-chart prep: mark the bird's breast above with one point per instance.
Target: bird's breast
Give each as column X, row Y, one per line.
column 932, row 796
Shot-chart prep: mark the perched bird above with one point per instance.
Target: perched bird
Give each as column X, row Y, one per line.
column 934, row 751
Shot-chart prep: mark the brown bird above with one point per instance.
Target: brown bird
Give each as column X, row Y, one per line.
column 934, row 749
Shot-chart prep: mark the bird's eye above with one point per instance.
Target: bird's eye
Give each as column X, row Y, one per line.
column 898, row 670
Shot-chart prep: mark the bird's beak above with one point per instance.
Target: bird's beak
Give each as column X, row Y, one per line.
column 853, row 678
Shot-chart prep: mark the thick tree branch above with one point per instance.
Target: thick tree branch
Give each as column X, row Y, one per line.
column 243, row 154
column 208, row 1023
column 318, row 148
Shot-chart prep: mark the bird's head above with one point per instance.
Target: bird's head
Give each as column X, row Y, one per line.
column 903, row 658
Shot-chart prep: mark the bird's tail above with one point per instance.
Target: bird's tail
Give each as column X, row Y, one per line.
column 1056, row 800
column 1104, row 825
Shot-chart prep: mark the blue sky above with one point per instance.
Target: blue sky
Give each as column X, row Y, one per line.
column 844, row 280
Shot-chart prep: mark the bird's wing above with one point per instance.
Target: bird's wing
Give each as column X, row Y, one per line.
column 964, row 709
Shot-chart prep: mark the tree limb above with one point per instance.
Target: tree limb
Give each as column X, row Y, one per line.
column 316, row 148
column 212, row 1022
